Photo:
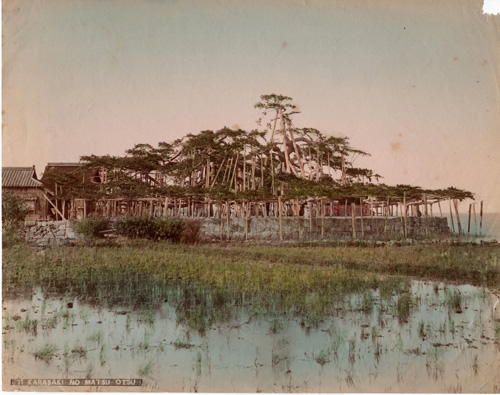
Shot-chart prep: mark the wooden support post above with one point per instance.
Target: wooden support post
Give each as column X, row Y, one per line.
column 322, row 208
column 426, row 215
column 221, row 221
column 165, row 211
column 481, row 219
column 309, row 204
column 56, row 200
column 228, row 230
column 297, row 211
column 280, row 220
column 468, row 226
column 451, row 218
column 84, row 208
column 455, row 203
column 440, row 211
column 386, row 216
column 405, row 225
column 475, row 218
column 246, row 219
column 52, row 204
column 361, row 214
column 345, row 209
column 353, row 214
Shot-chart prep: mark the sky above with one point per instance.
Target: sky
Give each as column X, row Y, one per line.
column 414, row 83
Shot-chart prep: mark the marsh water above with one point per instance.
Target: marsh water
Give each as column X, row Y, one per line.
column 427, row 337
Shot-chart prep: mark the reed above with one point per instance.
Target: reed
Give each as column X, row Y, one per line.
column 46, row 352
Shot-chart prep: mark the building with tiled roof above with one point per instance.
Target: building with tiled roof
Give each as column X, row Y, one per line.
column 23, row 182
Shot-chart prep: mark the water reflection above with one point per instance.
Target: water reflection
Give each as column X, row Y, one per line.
column 398, row 337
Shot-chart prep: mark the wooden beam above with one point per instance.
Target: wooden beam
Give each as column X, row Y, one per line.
column 455, row 203
column 468, row 226
column 405, row 225
column 353, row 214
column 280, row 219
column 361, row 214
column 426, row 216
column 475, row 218
column 481, row 219
column 451, row 218
column 52, row 204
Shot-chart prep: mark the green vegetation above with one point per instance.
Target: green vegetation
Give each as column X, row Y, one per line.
column 160, row 228
column 234, row 164
column 92, row 228
column 46, row 352
column 453, row 300
column 97, row 337
column 324, row 356
column 146, row 369
column 271, row 269
column 403, row 307
column 29, row 325
column 183, row 343
column 79, row 352
column 14, row 210
column 497, row 328
column 204, row 282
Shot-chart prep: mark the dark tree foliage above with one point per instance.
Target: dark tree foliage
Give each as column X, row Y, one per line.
column 247, row 165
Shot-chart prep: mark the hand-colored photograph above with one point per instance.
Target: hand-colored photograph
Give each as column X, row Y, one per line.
column 250, row 196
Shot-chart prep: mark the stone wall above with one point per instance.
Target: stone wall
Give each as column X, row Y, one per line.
column 299, row 228
column 52, row 233
column 47, row 233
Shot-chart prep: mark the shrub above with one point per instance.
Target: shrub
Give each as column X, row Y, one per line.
column 162, row 228
column 92, row 228
column 14, row 210
column 191, row 233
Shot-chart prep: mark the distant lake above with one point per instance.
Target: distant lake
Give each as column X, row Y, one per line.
column 491, row 224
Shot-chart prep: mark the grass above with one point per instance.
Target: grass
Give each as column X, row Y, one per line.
column 29, row 325
column 97, row 337
column 324, row 356
column 463, row 263
column 90, row 371
column 103, row 355
column 204, row 281
column 183, row 343
column 497, row 328
column 403, row 307
column 453, row 300
column 421, row 329
column 46, row 352
column 146, row 369
column 276, row 326
column 79, row 352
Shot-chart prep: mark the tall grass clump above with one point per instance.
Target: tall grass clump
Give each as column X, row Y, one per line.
column 46, row 352
column 146, row 369
column 29, row 325
column 79, row 352
column 323, row 357
column 92, row 228
column 497, row 328
column 453, row 300
column 403, row 307
column 160, row 228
